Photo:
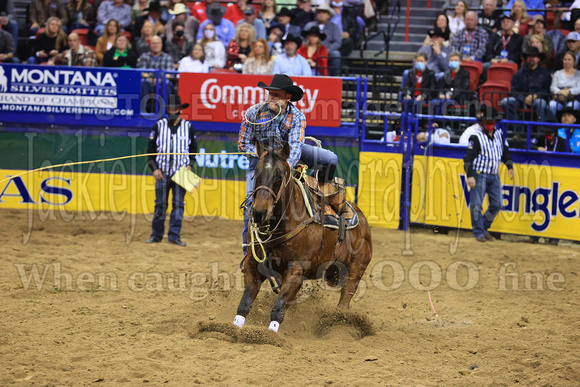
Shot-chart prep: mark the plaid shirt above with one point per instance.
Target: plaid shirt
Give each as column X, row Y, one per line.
column 162, row 62
column 287, row 128
column 477, row 42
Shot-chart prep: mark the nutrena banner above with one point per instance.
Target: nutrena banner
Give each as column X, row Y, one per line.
column 542, row 200
column 71, row 95
column 219, row 97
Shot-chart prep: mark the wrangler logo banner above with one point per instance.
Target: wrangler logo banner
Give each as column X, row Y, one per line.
column 541, row 200
column 379, row 188
column 225, row 97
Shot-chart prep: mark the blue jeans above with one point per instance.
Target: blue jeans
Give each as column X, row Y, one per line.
column 490, row 184
column 316, row 158
column 511, row 105
column 333, row 63
column 162, row 188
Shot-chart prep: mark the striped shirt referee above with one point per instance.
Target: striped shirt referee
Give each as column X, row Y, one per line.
column 485, row 152
column 167, row 138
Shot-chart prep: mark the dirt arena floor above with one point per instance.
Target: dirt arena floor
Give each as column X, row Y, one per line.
column 87, row 302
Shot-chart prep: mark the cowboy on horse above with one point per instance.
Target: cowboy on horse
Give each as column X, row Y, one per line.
column 279, row 122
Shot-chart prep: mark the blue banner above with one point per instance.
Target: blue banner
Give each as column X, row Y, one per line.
column 69, row 95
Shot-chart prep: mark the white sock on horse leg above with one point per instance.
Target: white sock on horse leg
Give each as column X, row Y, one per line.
column 239, row 321
column 274, row 326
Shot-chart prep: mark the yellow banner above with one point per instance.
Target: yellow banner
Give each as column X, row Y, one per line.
column 379, row 188
column 541, row 200
column 97, row 193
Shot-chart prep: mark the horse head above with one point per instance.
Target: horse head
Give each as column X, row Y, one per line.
column 272, row 176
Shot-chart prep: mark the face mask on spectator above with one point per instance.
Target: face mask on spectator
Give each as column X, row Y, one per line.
column 209, row 33
column 179, row 33
column 454, row 64
column 420, row 66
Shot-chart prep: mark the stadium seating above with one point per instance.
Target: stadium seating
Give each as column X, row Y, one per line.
column 83, row 34
column 493, row 92
column 502, row 72
column 475, row 69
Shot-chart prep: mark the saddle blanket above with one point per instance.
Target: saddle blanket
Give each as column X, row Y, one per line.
column 330, row 221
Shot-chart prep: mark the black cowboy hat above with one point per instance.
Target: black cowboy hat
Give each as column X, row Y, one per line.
column 568, row 110
column 439, row 32
column 154, row 6
column 283, row 82
column 215, row 13
column 314, row 31
column 281, row 27
column 286, row 12
column 175, row 101
column 292, row 38
column 533, row 51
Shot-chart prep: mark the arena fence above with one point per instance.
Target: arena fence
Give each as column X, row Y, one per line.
column 396, row 180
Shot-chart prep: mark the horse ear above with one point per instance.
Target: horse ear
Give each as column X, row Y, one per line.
column 285, row 152
column 259, row 148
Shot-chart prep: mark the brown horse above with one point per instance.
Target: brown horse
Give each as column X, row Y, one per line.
column 296, row 248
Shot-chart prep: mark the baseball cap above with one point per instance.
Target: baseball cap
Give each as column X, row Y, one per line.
column 573, row 36
column 249, row 10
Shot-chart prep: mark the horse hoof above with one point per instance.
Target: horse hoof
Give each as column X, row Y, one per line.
column 239, row 321
column 274, row 326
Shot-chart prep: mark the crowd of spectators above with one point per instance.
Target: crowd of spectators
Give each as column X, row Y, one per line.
column 544, row 57
column 227, row 34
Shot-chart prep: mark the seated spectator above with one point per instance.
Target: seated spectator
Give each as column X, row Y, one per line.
column 8, row 20
column 555, row 141
column 50, row 43
column 457, row 20
column 250, row 18
column 439, row 136
column 542, row 46
column 437, row 53
column 333, row 41
column 455, row 85
column 538, row 28
column 7, row 48
column 235, row 12
column 290, row 63
column 573, row 45
column 141, row 42
column 240, row 47
column 521, row 18
column 195, row 62
column 168, row 9
column 198, row 10
column 421, row 84
column 224, row 28
column 314, row 52
column 154, row 16
column 120, row 55
column 489, row 18
column 345, row 19
column 139, row 9
column 155, row 59
column 42, row 10
column 259, row 61
column 530, row 86
column 179, row 46
column 115, row 9
column 504, row 46
column 303, row 13
column 284, row 17
column 565, row 87
column 268, row 12
column 472, row 40
column 275, row 34
column 80, row 14
column 215, row 51
column 76, row 55
column 107, row 40
column 528, row 4
column 441, row 22
column 180, row 12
